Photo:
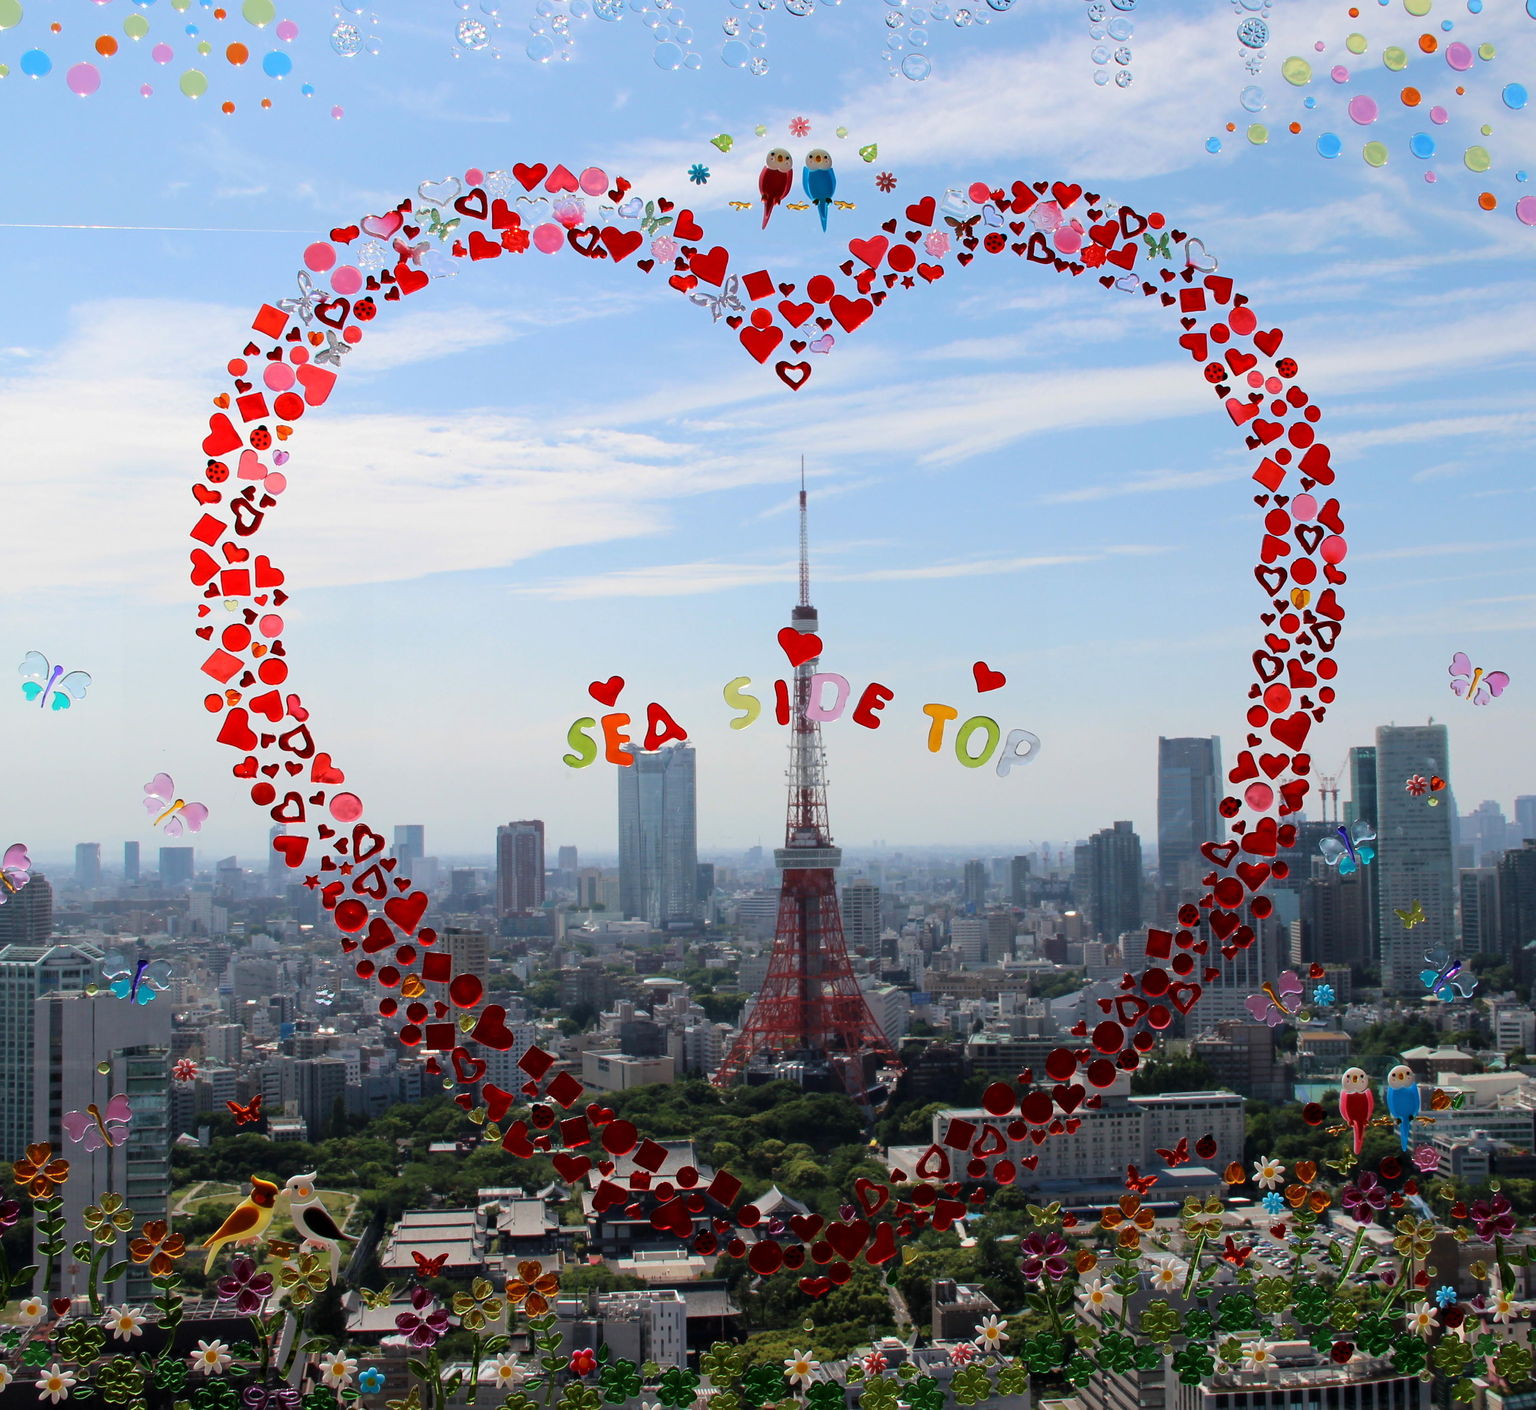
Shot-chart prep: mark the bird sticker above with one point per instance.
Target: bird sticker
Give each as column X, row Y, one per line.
column 1356, row 1103
column 1446, row 978
column 1469, row 682
column 775, row 181
column 819, row 181
column 1403, row 1101
column 175, row 814
column 313, row 1220
column 44, row 683
column 247, row 1221
column 1347, row 849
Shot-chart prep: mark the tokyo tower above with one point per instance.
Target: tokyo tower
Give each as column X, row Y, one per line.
column 810, row 1013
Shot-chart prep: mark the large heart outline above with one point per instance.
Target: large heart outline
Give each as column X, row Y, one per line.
column 1210, row 313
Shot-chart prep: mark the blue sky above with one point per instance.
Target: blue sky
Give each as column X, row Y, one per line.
column 538, row 475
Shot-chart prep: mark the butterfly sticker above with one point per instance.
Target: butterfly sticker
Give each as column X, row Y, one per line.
column 727, row 301
column 653, row 222
column 437, row 226
column 378, row 1300
column 177, row 815
column 1278, row 1001
column 137, row 980
column 15, row 870
column 1136, row 1182
column 1477, row 685
column 1446, row 978
column 96, row 1127
column 1346, row 849
column 308, row 297
column 1178, row 1156
column 1236, row 1255
column 43, row 683
column 1413, row 916
column 247, row 1115
column 963, row 228
column 1158, row 245
column 429, row 1267
column 1048, row 1215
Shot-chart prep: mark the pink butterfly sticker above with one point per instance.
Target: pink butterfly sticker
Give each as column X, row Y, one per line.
column 15, row 870
column 178, row 816
column 1474, row 683
column 1277, row 1002
column 96, row 1127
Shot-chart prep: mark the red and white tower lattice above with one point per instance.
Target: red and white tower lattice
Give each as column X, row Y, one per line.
column 810, row 1009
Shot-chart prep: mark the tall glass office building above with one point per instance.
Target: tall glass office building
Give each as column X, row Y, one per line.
column 658, row 836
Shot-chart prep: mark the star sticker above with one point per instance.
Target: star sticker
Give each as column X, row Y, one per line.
column 311, row 882
column 345, row 868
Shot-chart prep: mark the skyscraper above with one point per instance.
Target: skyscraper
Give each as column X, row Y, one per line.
column 1362, row 808
column 658, row 842
column 27, row 917
column 1525, row 815
column 1188, row 787
column 520, row 867
column 71, row 1034
column 277, row 866
column 1517, row 901
column 1018, row 881
column 27, row 972
column 976, row 884
column 88, row 865
column 1486, row 831
column 1480, row 930
column 130, row 863
column 1114, row 881
column 1414, row 854
column 410, row 847
column 177, row 865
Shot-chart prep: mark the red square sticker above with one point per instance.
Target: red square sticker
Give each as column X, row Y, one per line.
column 208, row 530
column 270, row 321
column 759, row 285
column 235, row 582
column 437, row 967
column 1192, row 300
column 253, row 406
column 442, row 1036
column 222, row 666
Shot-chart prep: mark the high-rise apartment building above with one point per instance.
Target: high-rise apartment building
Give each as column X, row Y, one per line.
column 27, row 917
column 861, row 916
column 1188, row 788
column 88, row 865
column 72, row 1034
column 1414, row 859
column 410, row 847
column 520, row 867
column 658, row 843
column 1114, row 881
column 27, row 973
column 130, row 864
column 177, row 866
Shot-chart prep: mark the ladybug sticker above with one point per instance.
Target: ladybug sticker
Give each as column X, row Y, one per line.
column 217, row 472
column 261, row 439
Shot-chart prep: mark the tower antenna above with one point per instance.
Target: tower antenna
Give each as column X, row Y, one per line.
column 805, row 544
